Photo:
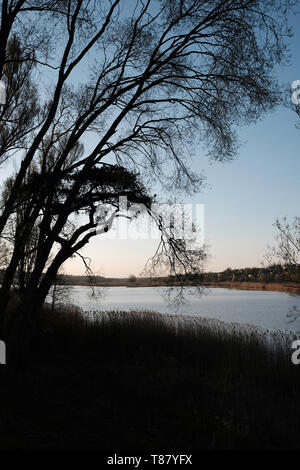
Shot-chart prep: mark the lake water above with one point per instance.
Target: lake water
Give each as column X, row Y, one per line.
column 260, row 308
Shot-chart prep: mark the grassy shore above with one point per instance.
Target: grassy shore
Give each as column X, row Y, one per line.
column 278, row 286
column 141, row 380
column 283, row 286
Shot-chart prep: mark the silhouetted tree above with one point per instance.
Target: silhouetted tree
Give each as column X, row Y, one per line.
column 59, row 292
column 286, row 252
column 161, row 77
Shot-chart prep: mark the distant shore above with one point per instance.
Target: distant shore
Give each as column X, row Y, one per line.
column 291, row 287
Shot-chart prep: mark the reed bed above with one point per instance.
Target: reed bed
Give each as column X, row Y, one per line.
column 142, row 380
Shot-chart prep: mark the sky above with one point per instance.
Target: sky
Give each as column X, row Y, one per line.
column 241, row 203
column 242, row 198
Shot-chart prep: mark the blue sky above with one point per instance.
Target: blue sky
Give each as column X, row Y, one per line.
column 249, row 193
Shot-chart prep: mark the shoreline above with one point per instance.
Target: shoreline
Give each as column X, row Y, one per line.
column 290, row 287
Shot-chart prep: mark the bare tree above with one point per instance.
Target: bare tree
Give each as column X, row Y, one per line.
column 132, row 279
column 286, row 251
column 158, row 79
column 59, row 292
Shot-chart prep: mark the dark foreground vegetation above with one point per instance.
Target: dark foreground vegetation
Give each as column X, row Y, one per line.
column 137, row 381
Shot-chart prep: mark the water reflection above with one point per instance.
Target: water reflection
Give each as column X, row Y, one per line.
column 275, row 310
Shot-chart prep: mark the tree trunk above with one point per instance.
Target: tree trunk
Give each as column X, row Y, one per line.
column 18, row 335
column 22, row 323
column 6, row 285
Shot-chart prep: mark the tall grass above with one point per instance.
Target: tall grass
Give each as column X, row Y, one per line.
column 142, row 380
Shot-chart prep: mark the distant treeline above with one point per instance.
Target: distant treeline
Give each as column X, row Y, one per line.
column 274, row 273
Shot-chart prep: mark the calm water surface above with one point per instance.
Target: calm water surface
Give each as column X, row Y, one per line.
column 260, row 308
